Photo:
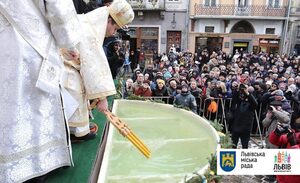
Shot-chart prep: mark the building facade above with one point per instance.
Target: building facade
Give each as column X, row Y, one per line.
column 158, row 25
column 293, row 34
column 230, row 25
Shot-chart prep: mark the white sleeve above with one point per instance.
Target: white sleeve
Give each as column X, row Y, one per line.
column 64, row 22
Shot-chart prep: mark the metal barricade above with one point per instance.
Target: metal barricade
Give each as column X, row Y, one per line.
column 221, row 115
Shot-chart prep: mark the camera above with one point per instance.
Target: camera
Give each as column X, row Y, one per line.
column 123, row 34
column 284, row 126
column 242, row 87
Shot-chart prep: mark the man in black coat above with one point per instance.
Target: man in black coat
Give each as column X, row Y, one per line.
column 115, row 58
column 243, row 107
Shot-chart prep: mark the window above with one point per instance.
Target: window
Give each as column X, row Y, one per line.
column 132, row 32
column 274, row 4
column 209, row 28
column 270, row 30
column 210, row 3
column 149, row 31
column 242, row 3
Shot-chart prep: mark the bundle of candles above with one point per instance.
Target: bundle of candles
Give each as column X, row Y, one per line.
column 125, row 131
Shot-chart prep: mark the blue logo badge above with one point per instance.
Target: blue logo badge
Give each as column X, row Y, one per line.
column 227, row 160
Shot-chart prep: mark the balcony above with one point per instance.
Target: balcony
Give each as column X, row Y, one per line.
column 147, row 4
column 295, row 11
column 233, row 10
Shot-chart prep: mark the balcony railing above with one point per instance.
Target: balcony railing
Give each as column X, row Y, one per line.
column 147, row 5
column 233, row 10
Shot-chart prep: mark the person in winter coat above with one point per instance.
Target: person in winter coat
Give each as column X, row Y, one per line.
column 186, row 99
column 195, row 90
column 160, row 90
column 243, row 107
column 286, row 138
column 141, row 87
column 115, row 58
column 173, row 83
column 274, row 116
column 277, row 95
column 133, row 61
column 128, row 89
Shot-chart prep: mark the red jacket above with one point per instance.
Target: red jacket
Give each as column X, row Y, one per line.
column 282, row 142
column 144, row 92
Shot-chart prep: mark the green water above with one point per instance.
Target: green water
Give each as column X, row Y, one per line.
column 180, row 144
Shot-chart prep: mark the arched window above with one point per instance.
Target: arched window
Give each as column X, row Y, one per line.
column 242, row 27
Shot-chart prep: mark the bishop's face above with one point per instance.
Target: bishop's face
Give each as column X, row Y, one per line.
column 111, row 28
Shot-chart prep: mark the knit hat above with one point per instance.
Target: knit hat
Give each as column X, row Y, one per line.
column 122, row 12
column 276, row 103
column 214, row 81
column 278, row 93
column 184, row 86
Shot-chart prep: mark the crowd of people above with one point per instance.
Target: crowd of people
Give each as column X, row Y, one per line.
column 219, row 75
column 215, row 75
column 255, row 82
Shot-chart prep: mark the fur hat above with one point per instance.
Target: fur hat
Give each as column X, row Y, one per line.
column 173, row 79
column 122, row 12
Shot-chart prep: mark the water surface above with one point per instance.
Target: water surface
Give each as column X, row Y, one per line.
column 180, row 143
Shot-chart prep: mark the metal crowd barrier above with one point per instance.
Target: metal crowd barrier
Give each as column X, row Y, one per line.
column 222, row 112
